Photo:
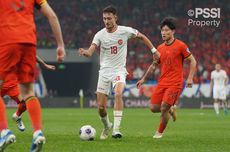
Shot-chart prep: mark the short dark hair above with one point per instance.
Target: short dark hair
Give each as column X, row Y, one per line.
column 110, row 9
column 168, row 21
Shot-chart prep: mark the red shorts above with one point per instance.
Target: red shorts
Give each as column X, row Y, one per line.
column 12, row 92
column 19, row 58
column 165, row 94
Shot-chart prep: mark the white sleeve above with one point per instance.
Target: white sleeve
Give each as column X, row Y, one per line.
column 131, row 32
column 96, row 39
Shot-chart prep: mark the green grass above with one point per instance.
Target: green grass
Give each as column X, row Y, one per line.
column 194, row 131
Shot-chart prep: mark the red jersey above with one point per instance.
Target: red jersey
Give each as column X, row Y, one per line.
column 171, row 63
column 17, row 21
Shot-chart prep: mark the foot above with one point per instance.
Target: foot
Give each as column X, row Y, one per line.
column 117, row 134
column 172, row 113
column 19, row 122
column 38, row 141
column 7, row 138
column 158, row 135
column 105, row 132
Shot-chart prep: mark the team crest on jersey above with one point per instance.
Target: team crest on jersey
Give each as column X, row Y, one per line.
column 120, row 41
column 187, row 49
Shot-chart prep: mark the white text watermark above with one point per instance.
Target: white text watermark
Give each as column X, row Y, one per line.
column 202, row 17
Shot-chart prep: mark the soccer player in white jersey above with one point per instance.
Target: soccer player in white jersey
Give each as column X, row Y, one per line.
column 112, row 41
column 218, row 86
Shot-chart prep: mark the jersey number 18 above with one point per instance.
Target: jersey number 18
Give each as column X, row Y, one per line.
column 113, row 49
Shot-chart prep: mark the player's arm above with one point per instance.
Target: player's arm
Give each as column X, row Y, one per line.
column 192, row 70
column 226, row 80
column 211, row 86
column 47, row 11
column 148, row 43
column 89, row 52
column 150, row 71
column 42, row 63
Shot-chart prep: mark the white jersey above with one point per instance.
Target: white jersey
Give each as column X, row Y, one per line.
column 219, row 78
column 113, row 46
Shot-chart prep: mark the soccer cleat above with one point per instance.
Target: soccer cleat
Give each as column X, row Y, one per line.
column 117, row 134
column 172, row 113
column 105, row 132
column 7, row 138
column 37, row 142
column 158, row 135
column 18, row 120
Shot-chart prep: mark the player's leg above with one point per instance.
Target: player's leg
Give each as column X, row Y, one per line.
column 170, row 97
column 3, row 120
column 13, row 93
column 34, row 110
column 156, row 99
column 216, row 106
column 102, row 102
column 165, row 108
column 8, row 59
column 225, row 105
column 21, row 105
column 216, row 101
column 223, row 97
column 17, row 115
column 155, row 108
column 26, row 69
column 118, row 109
column 103, row 87
column 172, row 112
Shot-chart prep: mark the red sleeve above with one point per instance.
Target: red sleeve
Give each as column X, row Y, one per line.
column 39, row 3
column 185, row 51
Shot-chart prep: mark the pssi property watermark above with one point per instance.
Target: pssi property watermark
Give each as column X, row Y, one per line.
column 204, row 17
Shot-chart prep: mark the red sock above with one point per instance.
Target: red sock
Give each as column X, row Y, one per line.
column 162, row 127
column 34, row 109
column 21, row 105
column 3, row 121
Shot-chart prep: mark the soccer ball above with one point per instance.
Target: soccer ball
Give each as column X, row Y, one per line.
column 87, row 133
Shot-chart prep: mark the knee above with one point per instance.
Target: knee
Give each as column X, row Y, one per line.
column 118, row 94
column 101, row 107
column 164, row 108
column 154, row 109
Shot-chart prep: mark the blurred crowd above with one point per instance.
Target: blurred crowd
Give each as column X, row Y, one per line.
column 81, row 19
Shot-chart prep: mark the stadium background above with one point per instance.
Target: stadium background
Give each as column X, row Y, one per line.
column 81, row 19
column 196, row 130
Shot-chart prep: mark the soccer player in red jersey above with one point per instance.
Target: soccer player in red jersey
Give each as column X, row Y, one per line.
column 18, row 54
column 172, row 54
column 11, row 89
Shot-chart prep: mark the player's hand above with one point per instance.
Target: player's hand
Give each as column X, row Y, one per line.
column 50, row 67
column 82, row 52
column 60, row 54
column 189, row 83
column 139, row 83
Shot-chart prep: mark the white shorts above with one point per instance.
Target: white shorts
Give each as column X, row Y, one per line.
column 219, row 93
column 108, row 79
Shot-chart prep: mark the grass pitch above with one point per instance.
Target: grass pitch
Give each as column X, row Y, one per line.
column 194, row 131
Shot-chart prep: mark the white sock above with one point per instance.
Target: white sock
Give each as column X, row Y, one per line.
column 4, row 132
column 117, row 120
column 216, row 107
column 105, row 121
